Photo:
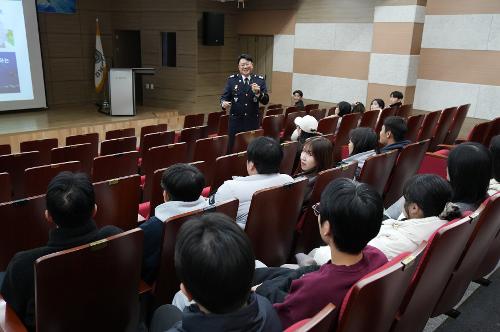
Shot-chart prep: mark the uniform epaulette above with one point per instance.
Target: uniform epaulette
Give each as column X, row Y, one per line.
column 231, row 76
column 260, row 76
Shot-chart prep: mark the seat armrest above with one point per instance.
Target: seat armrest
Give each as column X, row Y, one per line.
column 9, row 322
column 144, row 287
column 445, row 147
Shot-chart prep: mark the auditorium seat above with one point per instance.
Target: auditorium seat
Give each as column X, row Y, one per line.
column 384, row 114
column 228, row 166
column 290, row 110
column 271, row 221
column 456, row 125
column 5, row 188
column 369, row 119
column 208, row 150
column 274, row 111
column 114, row 166
column 271, row 124
column 156, row 139
column 93, row 287
column 23, row 227
column 493, row 131
column 289, row 154
column 194, row 120
column 414, row 124
column 428, row 126
column 490, row 260
column 349, row 122
column 146, row 209
column 371, row 304
column 117, row 202
column 407, row 164
column 321, row 322
column 9, row 321
column 118, row 145
column 118, row 133
column 404, row 111
column 79, row 152
column 328, row 125
column 308, row 236
column 5, row 149
column 151, row 129
column 223, row 128
column 92, row 138
column 478, row 133
column 243, row 139
column 213, row 122
column 41, row 145
column 442, row 127
column 317, row 113
column 439, row 258
column 201, row 166
column 289, row 124
column 38, row 178
column 271, row 106
column 434, row 163
column 377, row 169
column 15, row 164
column 485, row 230
column 190, row 136
column 167, row 282
column 309, row 107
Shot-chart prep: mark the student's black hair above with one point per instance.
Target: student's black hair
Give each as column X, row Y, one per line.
column 70, row 199
column 266, row 155
column 363, row 139
column 397, row 94
column 397, row 126
column 247, row 57
column 344, row 108
column 358, row 107
column 495, row 156
column 380, row 103
column 215, row 262
column 429, row 191
column 469, row 169
column 354, row 211
column 183, row 182
column 299, row 92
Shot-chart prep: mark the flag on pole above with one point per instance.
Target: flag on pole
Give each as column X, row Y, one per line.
column 100, row 61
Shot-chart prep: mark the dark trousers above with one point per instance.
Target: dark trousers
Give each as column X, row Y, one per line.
column 239, row 124
column 165, row 317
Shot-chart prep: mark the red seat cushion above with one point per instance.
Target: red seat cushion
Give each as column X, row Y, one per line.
column 143, row 180
column 206, row 192
column 144, row 209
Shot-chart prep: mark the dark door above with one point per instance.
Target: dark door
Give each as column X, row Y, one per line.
column 127, row 54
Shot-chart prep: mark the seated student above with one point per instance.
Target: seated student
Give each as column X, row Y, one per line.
column 182, row 186
column 425, row 198
column 495, row 157
column 396, row 99
column 350, row 215
column 307, row 126
column 215, row 263
column 297, row 99
column 316, row 156
column 363, row 143
column 377, row 104
column 71, row 207
column 392, row 135
column 264, row 156
column 342, row 109
column 358, row 107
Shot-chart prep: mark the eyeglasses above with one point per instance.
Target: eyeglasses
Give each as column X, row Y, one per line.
column 315, row 209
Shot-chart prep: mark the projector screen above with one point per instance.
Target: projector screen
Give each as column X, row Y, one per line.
column 21, row 73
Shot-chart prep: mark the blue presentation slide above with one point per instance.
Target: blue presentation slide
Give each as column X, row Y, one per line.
column 9, row 78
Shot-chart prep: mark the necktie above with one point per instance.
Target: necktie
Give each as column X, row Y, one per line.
column 246, row 81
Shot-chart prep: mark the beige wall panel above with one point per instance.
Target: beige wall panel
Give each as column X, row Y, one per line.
column 69, row 92
column 400, row 2
column 151, row 41
column 67, row 69
column 282, row 88
column 332, row 63
column 383, row 91
column 269, row 22
column 186, row 42
column 228, row 52
column 270, row 5
column 335, row 11
column 168, row 20
column 186, row 61
column 210, row 84
column 94, row 5
column 175, row 78
column 126, row 20
column 88, row 46
column 87, row 22
column 453, row 7
column 65, row 45
column 397, row 38
column 480, row 67
column 208, row 66
column 167, row 5
column 64, row 24
column 151, row 59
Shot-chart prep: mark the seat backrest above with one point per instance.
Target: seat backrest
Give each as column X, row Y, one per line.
column 349, row 122
column 490, row 261
column 361, row 309
column 434, row 163
column 414, row 124
column 404, row 111
column 272, row 125
column 118, row 200
column 321, row 322
column 291, row 109
column 290, row 125
column 5, row 188
column 15, row 164
column 92, row 138
column 117, row 133
column 223, row 128
column 167, row 282
column 328, row 125
column 202, row 167
column 456, row 125
column 271, row 106
column 369, row 119
column 100, row 282
column 161, row 157
column 118, row 145
column 274, row 111
column 38, row 178
column 157, row 128
column 428, row 125
column 208, row 150
column 289, row 154
column 479, row 132
column 243, row 139
column 190, row 136
column 5, row 149
column 115, row 165
column 309, row 237
column 442, row 127
column 42, row 145
column 317, row 113
column 384, row 114
column 309, row 107
column 213, row 121
column 194, row 120
column 157, row 139
column 271, row 221
column 79, row 152
column 228, row 166
column 377, row 169
column 156, row 190
column 407, row 164
column 487, row 226
column 493, row 131
column 23, row 227
column 440, row 257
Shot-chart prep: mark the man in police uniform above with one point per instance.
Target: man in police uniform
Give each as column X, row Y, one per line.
column 242, row 95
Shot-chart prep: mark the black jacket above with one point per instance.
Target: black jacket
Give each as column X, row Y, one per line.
column 395, row 146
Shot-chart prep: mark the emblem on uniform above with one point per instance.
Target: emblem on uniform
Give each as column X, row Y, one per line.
column 236, row 87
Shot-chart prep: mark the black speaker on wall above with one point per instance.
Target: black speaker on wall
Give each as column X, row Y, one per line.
column 213, row 29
